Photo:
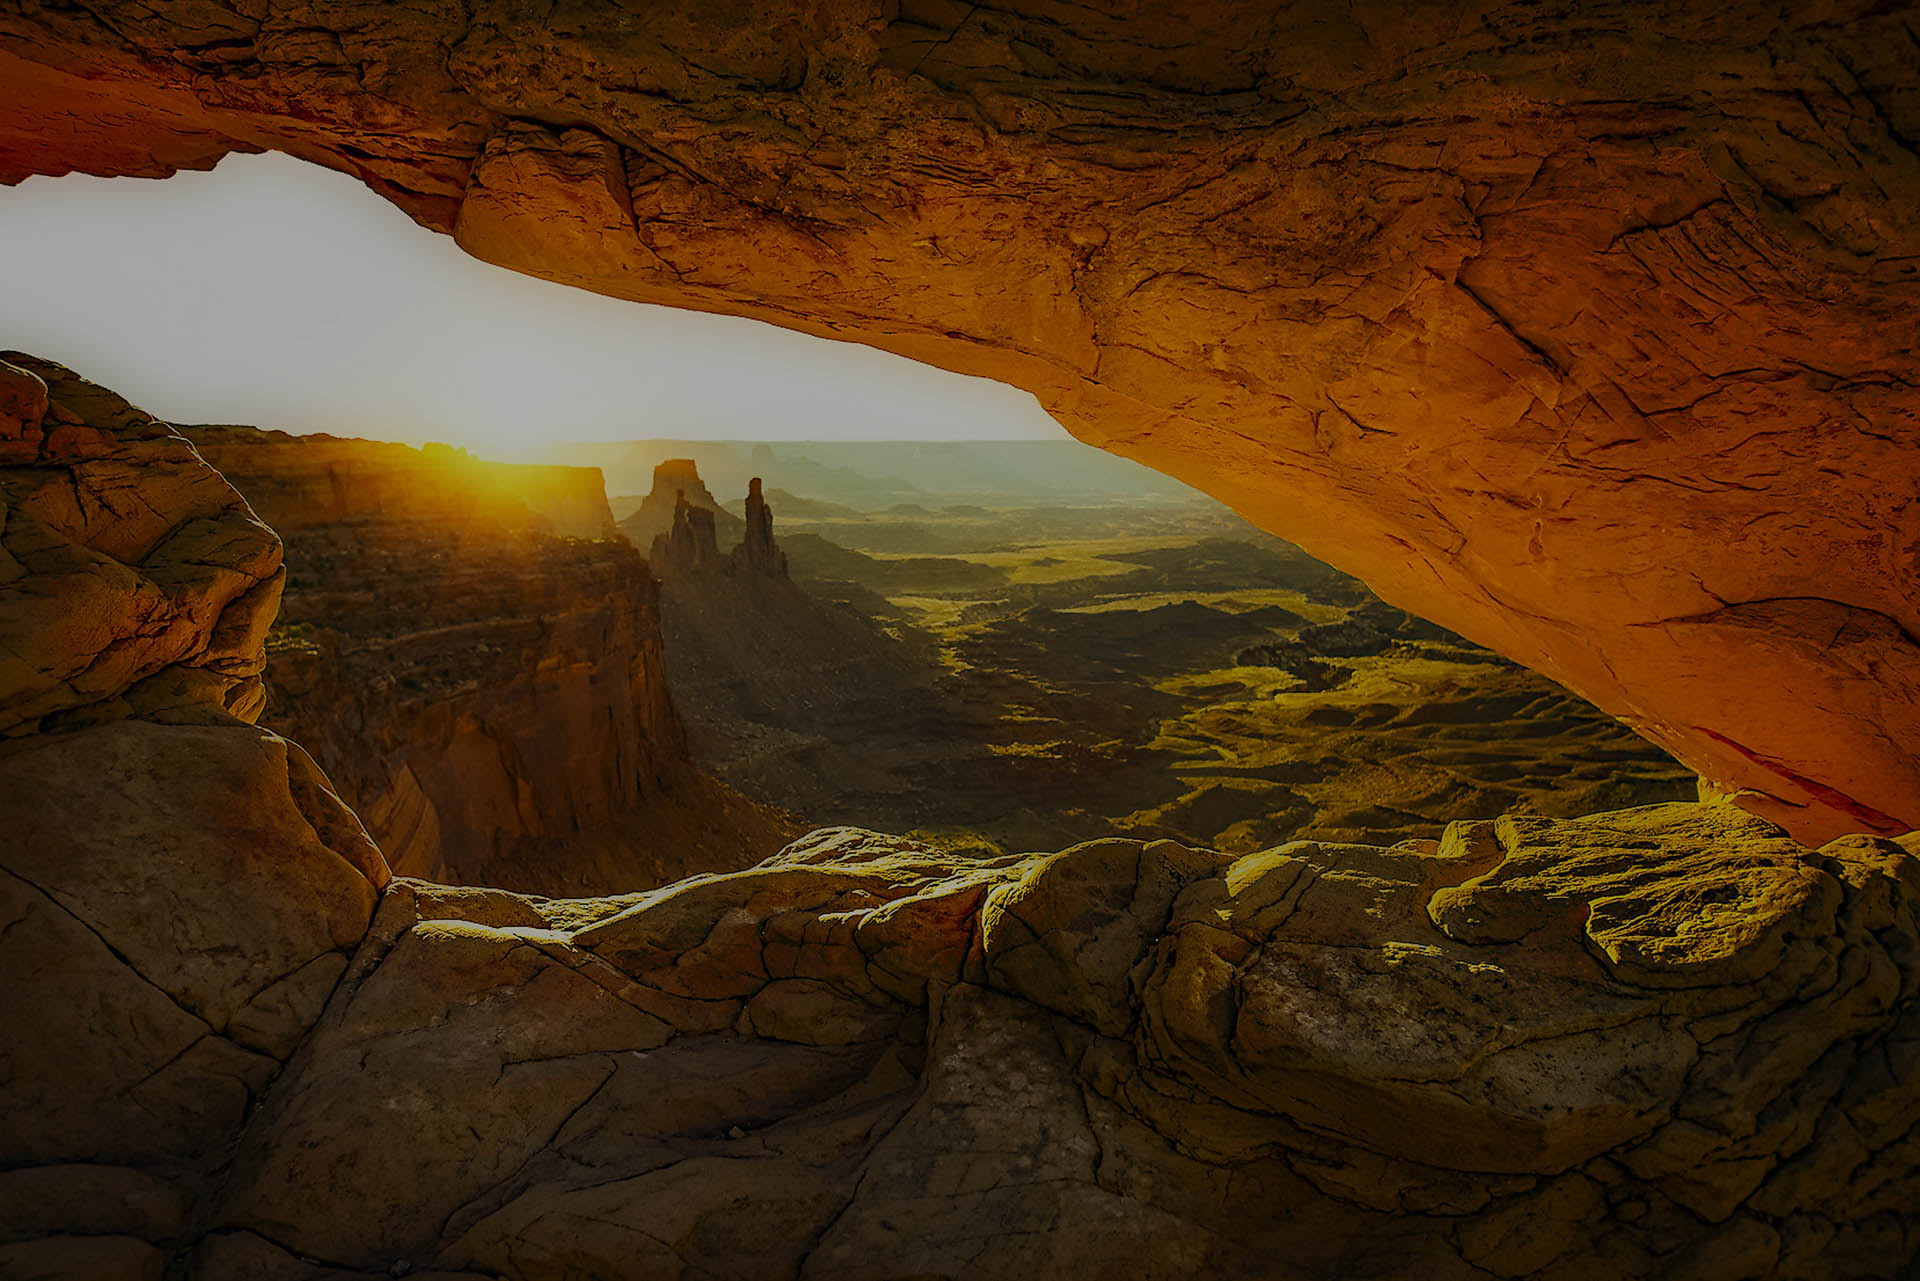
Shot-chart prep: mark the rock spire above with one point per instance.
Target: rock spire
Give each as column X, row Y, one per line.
column 757, row 552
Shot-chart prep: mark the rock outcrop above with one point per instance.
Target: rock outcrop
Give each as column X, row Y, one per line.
column 757, row 552
column 135, row 580
column 179, row 890
column 689, row 546
column 799, row 702
column 1585, row 331
column 677, row 482
column 492, row 699
column 1664, row 1042
column 1669, row 1039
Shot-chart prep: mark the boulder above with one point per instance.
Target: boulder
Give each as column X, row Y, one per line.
column 180, row 890
column 132, row 577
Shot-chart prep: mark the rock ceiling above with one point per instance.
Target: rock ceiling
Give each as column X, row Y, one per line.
column 1589, row 331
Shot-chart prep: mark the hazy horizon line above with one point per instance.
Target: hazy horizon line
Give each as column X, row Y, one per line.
column 417, row 442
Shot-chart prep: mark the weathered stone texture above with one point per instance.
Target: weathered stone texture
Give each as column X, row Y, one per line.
column 179, row 891
column 1670, row 1041
column 1586, row 331
column 132, row 577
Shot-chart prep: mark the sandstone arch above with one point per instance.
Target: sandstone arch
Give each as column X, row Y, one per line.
column 1588, row 332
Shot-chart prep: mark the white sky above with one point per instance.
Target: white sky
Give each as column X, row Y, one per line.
column 280, row 294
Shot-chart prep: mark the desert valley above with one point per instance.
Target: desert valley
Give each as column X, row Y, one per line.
column 482, row 658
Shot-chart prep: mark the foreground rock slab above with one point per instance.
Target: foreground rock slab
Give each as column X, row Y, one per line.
column 1670, row 1042
column 133, row 578
column 179, row 902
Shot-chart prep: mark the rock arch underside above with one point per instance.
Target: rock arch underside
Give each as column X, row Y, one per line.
column 1588, row 330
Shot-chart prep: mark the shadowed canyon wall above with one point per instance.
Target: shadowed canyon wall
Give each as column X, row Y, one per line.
column 1668, row 1042
column 1586, row 331
column 490, row 697
column 795, row 700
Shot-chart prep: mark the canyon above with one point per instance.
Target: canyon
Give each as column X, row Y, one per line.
column 474, row 656
column 1584, row 331
column 1671, row 1037
column 1119, row 666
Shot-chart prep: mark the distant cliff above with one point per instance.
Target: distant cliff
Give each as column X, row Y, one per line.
column 491, row 698
column 316, row 480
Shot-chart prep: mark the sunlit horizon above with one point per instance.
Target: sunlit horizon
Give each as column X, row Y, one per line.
column 273, row 293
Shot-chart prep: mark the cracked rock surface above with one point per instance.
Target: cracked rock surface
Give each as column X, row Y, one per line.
column 1585, row 330
column 133, row 578
column 1671, row 1039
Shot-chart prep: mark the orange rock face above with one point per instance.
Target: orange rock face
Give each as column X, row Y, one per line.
column 181, row 890
column 133, row 579
column 1588, row 332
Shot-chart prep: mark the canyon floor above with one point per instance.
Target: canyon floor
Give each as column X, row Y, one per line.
column 1025, row 674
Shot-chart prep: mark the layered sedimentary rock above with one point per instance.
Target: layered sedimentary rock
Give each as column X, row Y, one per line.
column 1665, row 1042
column 490, row 697
column 1585, row 331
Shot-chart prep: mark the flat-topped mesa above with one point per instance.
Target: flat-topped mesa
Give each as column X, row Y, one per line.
column 682, row 477
column 677, row 481
column 757, row 552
